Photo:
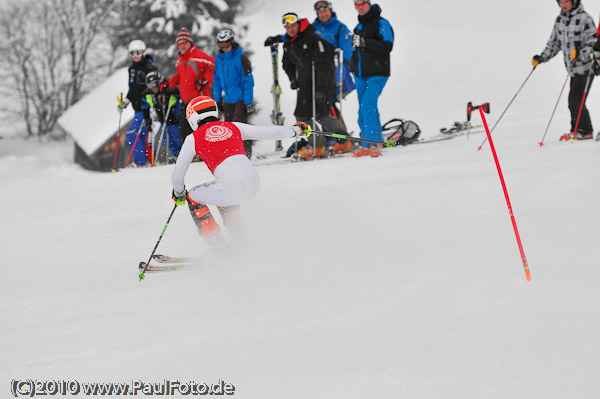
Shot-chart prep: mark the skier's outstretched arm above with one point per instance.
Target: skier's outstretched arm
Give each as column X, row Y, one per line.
column 252, row 132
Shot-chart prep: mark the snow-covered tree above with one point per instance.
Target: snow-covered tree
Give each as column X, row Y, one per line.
column 157, row 22
column 56, row 50
column 48, row 59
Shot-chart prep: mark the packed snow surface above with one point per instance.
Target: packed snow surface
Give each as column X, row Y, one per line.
column 395, row 277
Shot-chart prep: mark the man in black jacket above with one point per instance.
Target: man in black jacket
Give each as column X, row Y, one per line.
column 373, row 40
column 303, row 48
column 137, row 133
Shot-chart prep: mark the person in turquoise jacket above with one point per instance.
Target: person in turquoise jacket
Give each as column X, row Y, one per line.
column 233, row 83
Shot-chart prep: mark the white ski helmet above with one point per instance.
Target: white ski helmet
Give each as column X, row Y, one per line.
column 200, row 108
column 224, row 36
column 137, row 46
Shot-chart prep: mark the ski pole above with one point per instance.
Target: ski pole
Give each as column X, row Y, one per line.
column 507, row 107
column 120, row 100
column 314, row 103
column 388, row 143
column 133, row 146
column 585, row 91
column 142, row 275
column 510, row 210
column 541, row 143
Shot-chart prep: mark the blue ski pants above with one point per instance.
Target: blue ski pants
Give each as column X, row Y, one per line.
column 175, row 143
column 139, row 152
column 368, row 91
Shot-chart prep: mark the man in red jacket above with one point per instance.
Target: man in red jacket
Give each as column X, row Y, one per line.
column 194, row 76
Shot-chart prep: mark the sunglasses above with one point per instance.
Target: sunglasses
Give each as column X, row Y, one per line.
column 321, row 4
column 136, row 53
column 360, row 4
column 225, row 45
column 289, row 19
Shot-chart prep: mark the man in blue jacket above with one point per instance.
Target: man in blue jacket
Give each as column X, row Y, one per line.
column 373, row 41
column 335, row 32
column 233, row 83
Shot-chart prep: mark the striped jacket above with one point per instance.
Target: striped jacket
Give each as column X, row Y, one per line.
column 573, row 29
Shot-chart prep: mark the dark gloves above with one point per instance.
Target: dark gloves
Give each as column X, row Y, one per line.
column 273, row 40
column 250, row 108
column 163, row 87
column 294, row 84
column 536, row 60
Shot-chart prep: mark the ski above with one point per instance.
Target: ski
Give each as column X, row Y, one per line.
column 447, row 135
column 172, row 259
column 276, row 116
column 160, row 268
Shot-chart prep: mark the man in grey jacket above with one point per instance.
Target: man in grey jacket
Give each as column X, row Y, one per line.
column 574, row 34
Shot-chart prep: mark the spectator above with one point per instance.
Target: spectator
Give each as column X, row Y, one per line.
column 303, row 48
column 165, row 108
column 335, row 32
column 233, row 84
column 137, row 133
column 574, row 33
column 373, row 41
column 194, row 76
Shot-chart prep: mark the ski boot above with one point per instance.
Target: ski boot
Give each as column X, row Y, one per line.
column 206, row 224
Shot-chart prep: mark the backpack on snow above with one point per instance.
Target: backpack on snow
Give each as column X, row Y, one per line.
column 400, row 132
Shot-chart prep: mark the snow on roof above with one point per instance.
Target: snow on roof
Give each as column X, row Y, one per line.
column 94, row 120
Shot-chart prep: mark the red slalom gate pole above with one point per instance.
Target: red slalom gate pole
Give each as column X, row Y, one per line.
column 510, row 210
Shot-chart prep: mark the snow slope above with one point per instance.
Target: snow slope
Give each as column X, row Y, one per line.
column 379, row 278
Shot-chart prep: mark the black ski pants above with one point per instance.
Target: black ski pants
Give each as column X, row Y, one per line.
column 578, row 87
column 238, row 113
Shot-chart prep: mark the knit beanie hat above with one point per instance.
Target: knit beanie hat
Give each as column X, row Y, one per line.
column 184, row 35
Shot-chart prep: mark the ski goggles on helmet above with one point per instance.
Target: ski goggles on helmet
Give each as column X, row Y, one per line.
column 289, row 18
column 319, row 5
column 225, row 45
column 361, row 3
column 136, row 53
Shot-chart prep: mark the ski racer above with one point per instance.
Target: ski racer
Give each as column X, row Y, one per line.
column 373, row 41
column 573, row 34
column 220, row 145
column 137, row 133
column 165, row 108
column 233, row 82
column 194, row 76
